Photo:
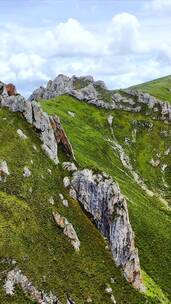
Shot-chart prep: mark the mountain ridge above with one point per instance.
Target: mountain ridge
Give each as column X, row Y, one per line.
column 93, row 133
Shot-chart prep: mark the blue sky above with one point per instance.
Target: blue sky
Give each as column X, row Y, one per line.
column 121, row 42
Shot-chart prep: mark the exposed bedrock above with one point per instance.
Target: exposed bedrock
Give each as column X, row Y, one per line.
column 49, row 127
column 101, row 197
column 93, row 92
column 16, row 278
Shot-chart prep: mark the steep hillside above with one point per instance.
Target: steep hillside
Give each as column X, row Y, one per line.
column 30, row 236
column 133, row 148
column 160, row 88
column 93, row 143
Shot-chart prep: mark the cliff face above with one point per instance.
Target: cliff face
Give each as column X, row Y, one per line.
column 101, row 197
column 49, row 127
column 95, row 92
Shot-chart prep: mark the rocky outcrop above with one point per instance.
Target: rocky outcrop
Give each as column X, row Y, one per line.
column 60, row 136
column 16, row 277
column 11, row 89
column 93, row 92
column 161, row 110
column 101, row 197
column 48, row 127
column 4, row 172
column 68, row 230
column 70, row 167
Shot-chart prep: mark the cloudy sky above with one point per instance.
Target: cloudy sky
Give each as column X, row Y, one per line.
column 122, row 42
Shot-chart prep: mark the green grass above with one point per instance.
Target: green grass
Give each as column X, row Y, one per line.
column 30, row 236
column 160, row 88
column 88, row 132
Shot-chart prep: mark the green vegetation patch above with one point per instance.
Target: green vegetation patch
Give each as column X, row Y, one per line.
column 89, row 132
column 160, row 88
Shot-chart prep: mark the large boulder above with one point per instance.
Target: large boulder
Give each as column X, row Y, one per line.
column 101, row 197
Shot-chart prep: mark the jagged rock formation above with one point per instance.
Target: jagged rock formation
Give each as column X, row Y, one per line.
column 49, row 127
column 68, row 230
column 93, row 92
column 101, row 197
column 16, row 277
column 60, row 136
column 163, row 109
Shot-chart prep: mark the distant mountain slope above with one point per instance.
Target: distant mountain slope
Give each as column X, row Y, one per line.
column 160, row 88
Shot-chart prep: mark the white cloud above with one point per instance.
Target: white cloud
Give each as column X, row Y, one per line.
column 124, row 33
column 26, row 61
column 71, row 38
column 158, row 5
column 122, row 56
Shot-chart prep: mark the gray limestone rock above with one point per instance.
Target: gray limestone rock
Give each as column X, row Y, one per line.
column 4, row 171
column 130, row 101
column 16, row 277
column 66, row 181
column 68, row 230
column 101, row 197
column 49, row 128
column 69, row 166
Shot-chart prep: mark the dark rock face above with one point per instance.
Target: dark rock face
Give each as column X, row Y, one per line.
column 129, row 100
column 101, row 197
column 49, row 127
column 61, row 136
column 11, row 90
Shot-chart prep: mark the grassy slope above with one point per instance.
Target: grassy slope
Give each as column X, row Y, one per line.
column 159, row 88
column 30, row 236
column 88, row 131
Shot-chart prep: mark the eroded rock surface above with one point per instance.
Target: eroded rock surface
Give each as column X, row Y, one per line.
column 16, row 277
column 101, row 197
column 49, row 127
column 95, row 92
